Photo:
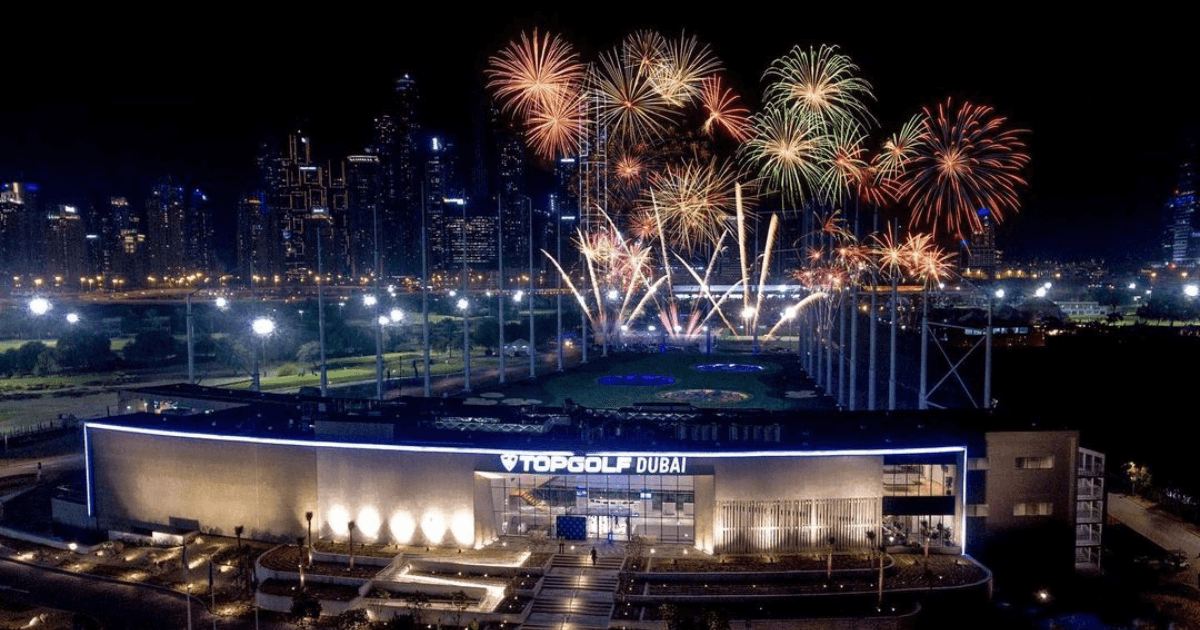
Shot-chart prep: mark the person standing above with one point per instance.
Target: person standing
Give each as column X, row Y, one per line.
column 593, row 556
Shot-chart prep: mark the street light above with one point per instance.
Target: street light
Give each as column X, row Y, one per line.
column 72, row 318
column 39, row 306
column 464, row 305
column 370, row 301
column 263, row 327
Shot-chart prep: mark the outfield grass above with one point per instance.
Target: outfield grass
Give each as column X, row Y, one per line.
column 582, row 387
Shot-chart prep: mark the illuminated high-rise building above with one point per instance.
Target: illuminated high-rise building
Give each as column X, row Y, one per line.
column 365, row 217
column 301, row 195
column 166, row 215
column 256, row 236
column 22, row 233
column 982, row 255
column 1182, row 243
column 396, row 144
column 124, row 244
column 514, row 209
column 199, row 255
column 66, row 251
column 439, row 175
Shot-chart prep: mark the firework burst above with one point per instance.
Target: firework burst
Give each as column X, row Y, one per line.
column 969, row 163
column 693, row 203
column 788, row 150
column 644, row 49
column 683, row 65
column 847, row 168
column 899, row 148
column 721, row 105
column 555, row 128
column 534, row 73
column 627, row 101
column 822, row 82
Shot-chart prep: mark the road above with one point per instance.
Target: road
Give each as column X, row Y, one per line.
column 1163, row 529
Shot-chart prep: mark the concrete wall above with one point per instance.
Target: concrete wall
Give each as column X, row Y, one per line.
column 221, row 484
column 1037, row 542
column 397, row 496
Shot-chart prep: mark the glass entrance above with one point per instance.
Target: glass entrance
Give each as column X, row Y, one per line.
column 616, row 507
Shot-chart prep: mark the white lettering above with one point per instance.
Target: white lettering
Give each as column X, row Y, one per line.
column 595, row 464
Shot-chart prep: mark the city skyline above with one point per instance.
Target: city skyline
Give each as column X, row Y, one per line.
column 117, row 119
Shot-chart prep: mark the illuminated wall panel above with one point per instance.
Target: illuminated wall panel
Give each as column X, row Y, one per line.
column 154, row 478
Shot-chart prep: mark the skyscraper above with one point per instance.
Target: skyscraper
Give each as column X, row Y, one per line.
column 1182, row 243
column 166, row 214
column 256, row 237
column 301, row 194
column 982, row 254
column 125, row 243
column 439, row 175
column 22, row 232
column 364, row 216
column 66, row 254
column 396, row 145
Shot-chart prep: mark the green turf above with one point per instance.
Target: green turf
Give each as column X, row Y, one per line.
column 580, row 384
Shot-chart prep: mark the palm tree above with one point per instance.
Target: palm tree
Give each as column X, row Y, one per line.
column 871, row 549
column 308, row 517
column 829, row 563
column 300, row 544
column 350, row 526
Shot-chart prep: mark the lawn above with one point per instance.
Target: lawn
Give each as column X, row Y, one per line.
column 581, row 384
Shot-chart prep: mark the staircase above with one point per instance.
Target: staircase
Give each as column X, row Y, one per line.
column 576, row 594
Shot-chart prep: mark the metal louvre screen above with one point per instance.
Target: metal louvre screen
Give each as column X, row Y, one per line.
column 795, row 525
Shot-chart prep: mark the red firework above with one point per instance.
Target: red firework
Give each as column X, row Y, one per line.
column 969, row 163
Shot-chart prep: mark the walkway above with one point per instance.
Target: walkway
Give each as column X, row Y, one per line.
column 1161, row 528
column 576, row 595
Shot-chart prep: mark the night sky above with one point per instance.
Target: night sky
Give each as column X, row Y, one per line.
column 104, row 105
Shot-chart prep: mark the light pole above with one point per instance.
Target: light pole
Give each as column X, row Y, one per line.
column 987, row 359
column 558, row 285
column 500, row 277
column 532, row 339
column 321, row 314
column 425, row 296
column 263, row 327
column 465, row 306
column 372, row 302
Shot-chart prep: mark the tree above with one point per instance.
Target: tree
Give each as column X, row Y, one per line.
column 417, row 603
column 829, row 564
column 461, row 602
column 354, row 619
column 151, row 346
column 237, row 531
column 83, row 349
column 308, row 518
column 306, row 609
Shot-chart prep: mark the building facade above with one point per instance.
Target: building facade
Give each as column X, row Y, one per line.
column 722, row 483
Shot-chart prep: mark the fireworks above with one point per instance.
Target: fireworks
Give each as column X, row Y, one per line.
column 555, row 129
column 721, row 106
column 822, row 82
column 682, row 66
column 789, row 151
column 627, row 101
column 899, row 148
column 846, row 170
column 535, row 73
column 693, row 202
column 968, row 163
